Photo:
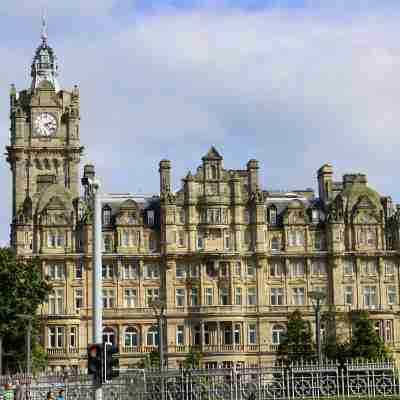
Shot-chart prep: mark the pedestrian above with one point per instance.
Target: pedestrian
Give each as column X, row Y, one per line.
column 60, row 395
column 19, row 391
column 8, row 392
column 49, row 396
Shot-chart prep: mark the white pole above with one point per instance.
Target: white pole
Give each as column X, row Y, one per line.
column 97, row 299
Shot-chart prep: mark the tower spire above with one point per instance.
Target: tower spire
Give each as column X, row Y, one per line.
column 44, row 30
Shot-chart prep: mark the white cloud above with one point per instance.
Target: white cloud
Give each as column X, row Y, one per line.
column 292, row 89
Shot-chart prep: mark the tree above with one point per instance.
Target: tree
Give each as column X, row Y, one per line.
column 297, row 344
column 150, row 360
column 365, row 342
column 22, row 290
column 193, row 359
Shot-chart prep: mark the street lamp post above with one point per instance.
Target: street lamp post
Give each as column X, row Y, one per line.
column 28, row 318
column 158, row 307
column 317, row 298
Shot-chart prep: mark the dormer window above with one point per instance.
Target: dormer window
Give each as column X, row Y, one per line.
column 272, row 216
column 106, row 215
column 315, row 217
column 150, row 217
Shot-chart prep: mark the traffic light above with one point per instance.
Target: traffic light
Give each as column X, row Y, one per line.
column 95, row 362
column 111, row 363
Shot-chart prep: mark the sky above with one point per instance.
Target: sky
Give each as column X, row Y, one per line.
column 292, row 83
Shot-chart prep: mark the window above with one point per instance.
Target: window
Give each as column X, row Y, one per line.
column 370, row 267
column 152, row 242
column 78, row 297
column 56, row 301
column 349, row 267
column 236, row 334
column 389, row 331
column 150, row 217
column 318, row 241
column 152, row 294
column 130, row 271
column 227, row 240
column 297, row 268
column 251, row 296
column 180, row 297
column 238, row 296
column 109, row 336
column 247, row 237
column 182, row 216
column 194, row 298
column 223, row 269
column 246, row 216
column 278, row 334
column 56, row 336
column 227, row 334
column 200, row 240
column 238, row 268
column 56, row 271
column 131, row 337
column 107, row 243
column 152, row 336
column 348, row 295
column 130, row 297
column 298, row 296
column 272, row 215
column 125, row 238
column 73, row 337
column 369, row 296
column 106, row 215
column 78, row 270
column 108, row 271
column 180, row 335
column 180, row 271
column 276, row 268
column 108, row 298
column 223, row 296
column 152, row 271
column 296, row 238
column 319, row 268
column 55, row 238
column 389, row 267
column 251, row 270
column 252, row 334
column 181, row 238
column 275, row 244
column 210, row 269
column 276, row 296
column 208, row 295
column 391, row 295
column 194, row 270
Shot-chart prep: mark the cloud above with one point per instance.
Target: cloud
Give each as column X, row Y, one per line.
column 293, row 88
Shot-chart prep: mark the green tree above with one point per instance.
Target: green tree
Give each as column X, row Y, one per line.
column 150, row 360
column 193, row 359
column 22, row 290
column 365, row 342
column 297, row 344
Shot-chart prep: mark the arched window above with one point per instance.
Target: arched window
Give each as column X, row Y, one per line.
column 131, row 337
column 109, row 336
column 152, row 336
column 278, row 334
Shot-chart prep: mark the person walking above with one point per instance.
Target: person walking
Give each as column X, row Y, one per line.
column 49, row 396
column 19, row 391
column 8, row 392
column 60, row 395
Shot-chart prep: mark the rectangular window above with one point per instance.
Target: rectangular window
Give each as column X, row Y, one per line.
column 194, row 298
column 108, row 298
column 152, row 243
column 223, row 269
column 251, row 296
column 182, row 216
column 181, row 238
column 238, row 296
column 200, row 240
column 391, row 295
column 370, row 267
column 298, row 268
column 389, row 267
column 319, row 268
column 73, row 337
column 56, row 271
column 78, row 296
column 152, row 271
column 107, row 243
column 246, row 216
column 251, row 270
column 349, row 267
column 56, row 301
column 194, row 270
column 238, row 268
column 298, row 296
column 180, row 297
column 299, row 238
column 180, row 335
column 247, row 237
column 223, row 296
column 130, row 271
column 108, row 271
column 150, row 217
column 180, row 271
column 208, row 295
column 78, row 270
column 152, row 294
column 56, row 336
column 125, row 238
column 370, row 296
column 227, row 241
column 276, row 268
column 348, row 295
column 252, row 334
column 130, row 297
column 276, row 296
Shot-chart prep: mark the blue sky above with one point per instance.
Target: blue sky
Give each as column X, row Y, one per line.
column 292, row 83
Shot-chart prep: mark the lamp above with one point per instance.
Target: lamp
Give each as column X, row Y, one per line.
column 317, row 297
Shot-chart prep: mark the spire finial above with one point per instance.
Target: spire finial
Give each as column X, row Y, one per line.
column 44, row 29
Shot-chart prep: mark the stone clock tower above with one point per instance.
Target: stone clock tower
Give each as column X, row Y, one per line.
column 44, row 150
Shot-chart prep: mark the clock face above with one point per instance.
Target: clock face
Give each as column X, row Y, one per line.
column 45, row 124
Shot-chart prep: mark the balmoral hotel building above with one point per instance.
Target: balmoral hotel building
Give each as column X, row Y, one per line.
column 230, row 258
